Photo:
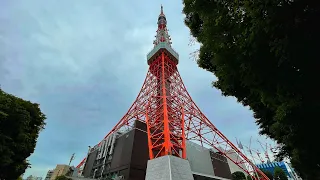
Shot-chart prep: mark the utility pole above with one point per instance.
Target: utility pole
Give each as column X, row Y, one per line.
column 72, row 158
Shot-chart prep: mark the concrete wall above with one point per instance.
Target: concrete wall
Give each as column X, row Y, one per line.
column 140, row 152
column 89, row 163
column 199, row 159
column 168, row 168
column 220, row 165
column 122, row 152
column 233, row 166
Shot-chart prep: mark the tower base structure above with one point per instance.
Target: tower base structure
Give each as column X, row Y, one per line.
column 168, row 168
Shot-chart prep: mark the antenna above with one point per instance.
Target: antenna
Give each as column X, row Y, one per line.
column 254, row 151
column 72, row 158
column 265, row 149
column 250, row 151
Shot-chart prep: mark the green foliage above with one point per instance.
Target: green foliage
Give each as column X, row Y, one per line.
column 62, row 178
column 265, row 53
column 20, row 124
column 19, row 178
column 279, row 174
column 238, row 175
column 268, row 174
column 249, row 177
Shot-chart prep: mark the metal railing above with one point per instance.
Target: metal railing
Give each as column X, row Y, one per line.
column 163, row 45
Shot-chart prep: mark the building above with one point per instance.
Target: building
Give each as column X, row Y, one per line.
column 126, row 155
column 233, row 167
column 60, row 170
column 34, row 178
column 73, row 172
column 291, row 174
column 119, row 155
column 49, row 174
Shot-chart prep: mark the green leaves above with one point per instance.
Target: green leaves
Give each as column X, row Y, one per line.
column 280, row 174
column 268, row 174
column 238, row 175
column 264, row 53
column 20, row 123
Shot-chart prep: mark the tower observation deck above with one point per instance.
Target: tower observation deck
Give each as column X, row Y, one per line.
column 169, row 118
column 162, row 43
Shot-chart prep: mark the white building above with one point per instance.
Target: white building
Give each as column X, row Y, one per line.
column 34, row 178
column 49, row 174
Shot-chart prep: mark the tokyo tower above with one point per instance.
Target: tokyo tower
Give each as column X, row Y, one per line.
column 171, row 116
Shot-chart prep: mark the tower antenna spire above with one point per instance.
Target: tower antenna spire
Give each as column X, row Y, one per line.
column 161, row 9
column 162, row 31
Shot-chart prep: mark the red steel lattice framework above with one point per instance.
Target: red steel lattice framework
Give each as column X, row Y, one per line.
column 170, row 113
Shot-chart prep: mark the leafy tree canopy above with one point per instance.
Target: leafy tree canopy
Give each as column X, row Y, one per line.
column 265, row 53
column 249, row 177
column 63, row 178
column 268, row 174
column 20, row 124
column 279, row 174
column 238, row 175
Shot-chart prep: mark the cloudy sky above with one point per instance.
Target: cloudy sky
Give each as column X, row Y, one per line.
column 84, row 61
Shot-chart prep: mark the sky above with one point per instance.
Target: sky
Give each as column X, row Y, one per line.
column 84, row 62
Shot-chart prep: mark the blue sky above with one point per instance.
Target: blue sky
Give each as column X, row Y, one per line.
column 84, row 61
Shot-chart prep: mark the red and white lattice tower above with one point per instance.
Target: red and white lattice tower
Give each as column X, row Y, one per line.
column 169, row 112
column 265, row 149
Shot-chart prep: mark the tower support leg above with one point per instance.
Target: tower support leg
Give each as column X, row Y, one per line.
column 168, row 168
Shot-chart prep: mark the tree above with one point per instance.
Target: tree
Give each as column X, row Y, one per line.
column 249, row 177
column 238, row 175
column 268, row 174
column 265, row 54
column 62, row 178
column 279, row 174
column 20, row 124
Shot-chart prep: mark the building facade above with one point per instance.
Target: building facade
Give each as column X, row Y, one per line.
column 49, row 174
column 233, row 167
column 60, row 170
column 34, row 178
column 125, row 156
column 291, row 174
